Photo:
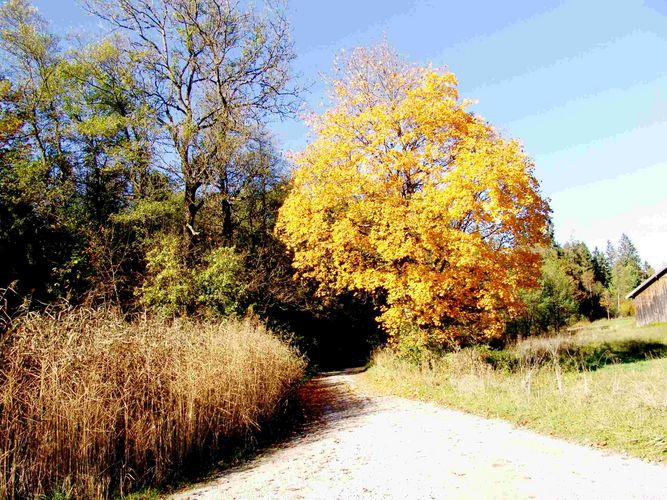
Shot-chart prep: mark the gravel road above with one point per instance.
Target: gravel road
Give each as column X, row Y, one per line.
column 364, row 446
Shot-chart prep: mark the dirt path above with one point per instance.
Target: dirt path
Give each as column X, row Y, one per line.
column 361, row 446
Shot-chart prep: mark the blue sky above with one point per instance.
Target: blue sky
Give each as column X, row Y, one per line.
column 582, row 83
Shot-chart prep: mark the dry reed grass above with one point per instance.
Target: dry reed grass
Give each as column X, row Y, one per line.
column 92, row 405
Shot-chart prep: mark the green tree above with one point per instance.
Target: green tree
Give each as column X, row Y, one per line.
column 580, row 266
column 209, row 66
column 647, row 271
column 626, row 273
column 601, row 267
column 557, row 303
column 39, row 185
column 628, row 257
column 112, row 128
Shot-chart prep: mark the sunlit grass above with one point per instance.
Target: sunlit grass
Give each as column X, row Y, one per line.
column 604, row 385
column 92, row 405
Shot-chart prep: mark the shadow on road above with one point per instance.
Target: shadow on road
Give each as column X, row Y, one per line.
column 322, row 404
column 327, row 399
column 345, row 371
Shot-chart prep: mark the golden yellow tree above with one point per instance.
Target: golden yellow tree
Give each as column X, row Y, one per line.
column 405, row 193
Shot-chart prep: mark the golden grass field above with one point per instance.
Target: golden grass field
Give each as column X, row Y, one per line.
column 93, row 406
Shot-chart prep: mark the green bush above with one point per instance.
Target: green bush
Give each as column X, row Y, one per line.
column 169, row 289
column 218, row 284
column 410, row 344
column 627, row 309
column 150, row 214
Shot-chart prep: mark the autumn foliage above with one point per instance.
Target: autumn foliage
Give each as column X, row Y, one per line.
column 405, row 193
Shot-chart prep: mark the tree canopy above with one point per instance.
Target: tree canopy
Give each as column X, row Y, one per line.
column 407, row 194
column 139, row 170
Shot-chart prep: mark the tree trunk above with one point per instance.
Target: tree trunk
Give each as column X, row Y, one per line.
column 190, row 209
column 226, row 206
column 227, row 229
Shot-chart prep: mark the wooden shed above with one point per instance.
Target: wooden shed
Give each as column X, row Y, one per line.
column 650, row 299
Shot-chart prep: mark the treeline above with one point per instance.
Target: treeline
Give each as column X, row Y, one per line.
column 125, row 162
column 138, row 170
column 577, row 284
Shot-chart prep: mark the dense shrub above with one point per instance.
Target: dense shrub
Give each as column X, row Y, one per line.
column 216, row 285
column 92, row 405
column 168, row 289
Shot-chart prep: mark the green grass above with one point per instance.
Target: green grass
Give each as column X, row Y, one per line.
column 603, row 384
column 147, row 494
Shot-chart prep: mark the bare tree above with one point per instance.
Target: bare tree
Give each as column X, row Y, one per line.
column 208, row 66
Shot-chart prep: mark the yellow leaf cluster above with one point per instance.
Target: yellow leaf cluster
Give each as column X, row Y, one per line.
column 406, row 193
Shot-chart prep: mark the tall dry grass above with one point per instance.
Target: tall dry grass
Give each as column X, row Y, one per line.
column 92, row 405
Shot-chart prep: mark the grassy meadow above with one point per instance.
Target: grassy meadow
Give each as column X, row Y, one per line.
column 603, row 384
column 93, row 406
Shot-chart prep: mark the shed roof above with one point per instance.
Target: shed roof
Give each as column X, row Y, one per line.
column 646, row 283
